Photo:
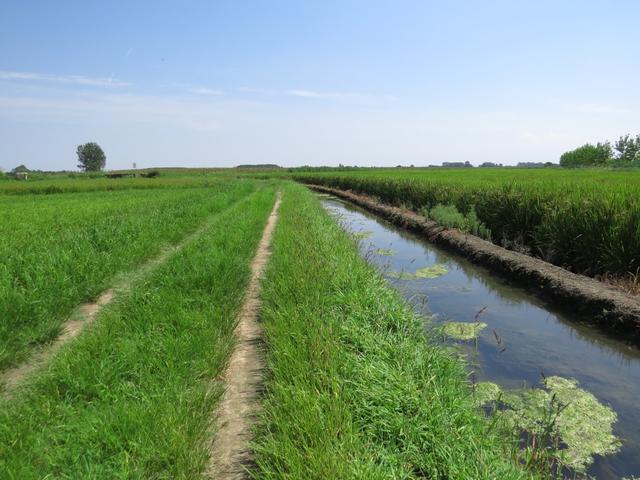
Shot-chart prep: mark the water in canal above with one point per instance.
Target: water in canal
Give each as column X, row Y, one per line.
column 525, row 339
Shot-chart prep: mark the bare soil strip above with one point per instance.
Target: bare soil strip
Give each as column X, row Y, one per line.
column 82, row 317
column 606, row 306
column 229, row 451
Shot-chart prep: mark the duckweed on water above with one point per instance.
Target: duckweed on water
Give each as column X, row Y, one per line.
column 585, row 425
column 485, row 392
column 582, row 426
column 362, row 235
column 434, row 271
column 401, row 275
column 463, row 330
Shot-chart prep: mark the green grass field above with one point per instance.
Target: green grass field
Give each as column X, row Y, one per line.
column 352, row 389
column 132, row 396
column 584, row 220
column 64, row 249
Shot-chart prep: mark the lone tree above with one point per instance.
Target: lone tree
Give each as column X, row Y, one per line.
column 91, row 157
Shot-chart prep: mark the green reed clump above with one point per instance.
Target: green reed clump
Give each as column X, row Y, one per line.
column 449, row 216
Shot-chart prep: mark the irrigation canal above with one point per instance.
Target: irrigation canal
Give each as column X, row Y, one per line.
column 521, row 340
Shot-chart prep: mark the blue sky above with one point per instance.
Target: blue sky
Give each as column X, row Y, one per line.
column 317, row 83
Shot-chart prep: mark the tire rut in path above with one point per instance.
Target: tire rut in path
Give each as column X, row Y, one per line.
column 82, row 317
column 229, row 453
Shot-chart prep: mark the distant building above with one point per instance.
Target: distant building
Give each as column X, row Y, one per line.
column 490, row 165
column 21, row 172
column 457, row 164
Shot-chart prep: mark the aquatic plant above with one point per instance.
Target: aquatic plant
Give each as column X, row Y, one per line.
column 585, row 425
column 564, row 420
column 463, row 330
column 385, row 252
column 362, row 235
column 485, row 392
column 401, row 275
column 433, row 271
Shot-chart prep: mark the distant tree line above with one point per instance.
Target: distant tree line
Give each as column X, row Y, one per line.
column 259, row 165
column 624, row 152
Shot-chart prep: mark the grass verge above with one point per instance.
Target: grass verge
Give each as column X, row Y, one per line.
column 355, row 390
column 132, row 396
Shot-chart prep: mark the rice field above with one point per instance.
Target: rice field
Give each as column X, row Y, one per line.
column 585, row 220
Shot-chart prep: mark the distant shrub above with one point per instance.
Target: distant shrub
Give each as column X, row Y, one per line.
column 627, row 151
column 587, row 156
column 150, row 174
column 450, row 217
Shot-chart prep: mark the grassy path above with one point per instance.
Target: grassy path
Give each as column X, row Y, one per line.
column 132, row 396
column 236, row 413
column 354, row 390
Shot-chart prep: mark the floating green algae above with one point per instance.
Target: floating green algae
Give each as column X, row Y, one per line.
column 581, row 426
column 385, row 252
column 584, row 424
column 362, row 235
column 463, row 330
column 485, row 392
column 401, row 275
column 434, row 271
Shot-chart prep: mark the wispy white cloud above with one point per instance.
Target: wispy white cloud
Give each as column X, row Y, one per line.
column 600, row 108
column 70, row 79
column 312, row 94
column 264, row 91
column 97, row 107
column 206, row 91
column 340, row 96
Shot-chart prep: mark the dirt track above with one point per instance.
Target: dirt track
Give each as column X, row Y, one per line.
column 229, row 452
column 605, row 306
